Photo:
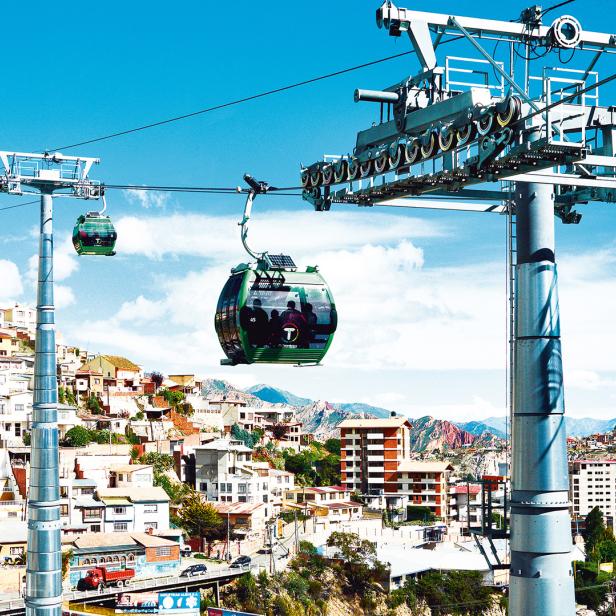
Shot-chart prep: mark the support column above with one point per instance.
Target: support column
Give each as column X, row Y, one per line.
column 44, row 567
column 541, row 581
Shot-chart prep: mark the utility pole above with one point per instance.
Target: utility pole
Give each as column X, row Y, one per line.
column 295, row 530
column 46, row 174
column 541, row 573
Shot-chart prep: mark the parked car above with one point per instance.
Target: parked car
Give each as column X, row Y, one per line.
column 193, row 570
column 266, row 549
column 241, row 562
column 185, row 550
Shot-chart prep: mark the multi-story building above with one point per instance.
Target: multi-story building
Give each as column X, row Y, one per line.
column 592, row 483
column 134, row 509
column 329, row 503
column 372, row 451
column 119, row 374
column 21, row 316
column 225, row 473
column 426, row 484
column 9, row 345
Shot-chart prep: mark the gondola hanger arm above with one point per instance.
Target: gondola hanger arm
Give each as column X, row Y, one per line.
column 256, row 188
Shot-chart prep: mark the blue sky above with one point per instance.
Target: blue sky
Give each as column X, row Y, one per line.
column 421, row 294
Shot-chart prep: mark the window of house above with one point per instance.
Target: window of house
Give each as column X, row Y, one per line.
column 17, row 429
column 163, row 551
column 150, row 509
column 17, row 551
column 265, row 498
column 152, row 525
column 119, row 510
column 203, row 486
column 87, row 490
column 241, row 488
column 120, row 527
column 19, row 407
column 12, row 514
column 95, row 528
column 89, row 514
column 241, row 499
column 121, row 476
column 63, row 509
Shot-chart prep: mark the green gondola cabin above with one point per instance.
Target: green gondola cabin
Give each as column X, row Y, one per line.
column 94, row 234
column 275, row 315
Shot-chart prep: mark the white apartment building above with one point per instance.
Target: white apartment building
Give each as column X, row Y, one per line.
column 225, row 473
column 131, row 476
column 133, row 509
column 592, row 483
column 21, row 315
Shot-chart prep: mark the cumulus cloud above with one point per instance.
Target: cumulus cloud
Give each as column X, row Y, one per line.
column 289, row 231
column 10, row 281
column 147, row 198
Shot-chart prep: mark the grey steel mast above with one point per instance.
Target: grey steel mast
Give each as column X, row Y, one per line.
column 68, row 176
column 541, row 579
column 44, row 562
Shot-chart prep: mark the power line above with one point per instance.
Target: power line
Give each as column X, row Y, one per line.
column 12, row 207
column 244, row 99
column 232, row 103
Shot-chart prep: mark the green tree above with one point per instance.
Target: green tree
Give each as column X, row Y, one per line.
column 360, row 565
column 199, row 518
column 61, row 395
column 93, row 405
column 333, row 445
column 594, row 531
column 78, row 436
column 173, row 398
column 161, row 462
column 157, row 378
column 27, row 438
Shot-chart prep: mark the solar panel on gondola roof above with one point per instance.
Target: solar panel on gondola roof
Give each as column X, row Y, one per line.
column 282, row 261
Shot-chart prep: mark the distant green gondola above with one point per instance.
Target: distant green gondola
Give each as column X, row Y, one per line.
column 275, row 315
column 94, row 234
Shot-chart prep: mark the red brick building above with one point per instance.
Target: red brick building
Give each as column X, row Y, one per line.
column 371, row 453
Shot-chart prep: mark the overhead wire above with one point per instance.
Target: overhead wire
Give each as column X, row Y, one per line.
column 12, row 207
column 244, row 99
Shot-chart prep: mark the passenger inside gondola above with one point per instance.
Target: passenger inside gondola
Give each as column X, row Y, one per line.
column 256, row 323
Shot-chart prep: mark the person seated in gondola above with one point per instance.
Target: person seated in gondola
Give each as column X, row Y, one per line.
column 311, row 323
column 256, row 323
column 294, row 325
column 275, row 327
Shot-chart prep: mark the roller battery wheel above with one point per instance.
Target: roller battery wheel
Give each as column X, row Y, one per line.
column 305, row 178
column 328, row 174
column 411, row 152
column 514, row 108
column 466, row 133
column 275, row 316
column 395, row 154
column 381, row 162
column 353, row 169
column 366, row 168
column 485, row 123
column 316, row 178
column 341, row 171
column 429, row 146
column 447, row 139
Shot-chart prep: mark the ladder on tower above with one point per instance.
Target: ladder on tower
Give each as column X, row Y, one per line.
column 508, row 188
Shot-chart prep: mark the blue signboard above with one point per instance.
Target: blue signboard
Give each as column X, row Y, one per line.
column 169, row 602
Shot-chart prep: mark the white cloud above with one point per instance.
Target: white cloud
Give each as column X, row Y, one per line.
column 292, row 232
column 147, row 198
column 63, row 296
column 10, row 281
column 140, row 310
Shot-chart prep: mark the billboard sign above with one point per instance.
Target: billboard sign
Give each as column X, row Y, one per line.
column 137, row 602
column 174, row 602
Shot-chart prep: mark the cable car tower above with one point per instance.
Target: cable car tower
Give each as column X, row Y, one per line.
column 540, row 144
column 66, row 176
